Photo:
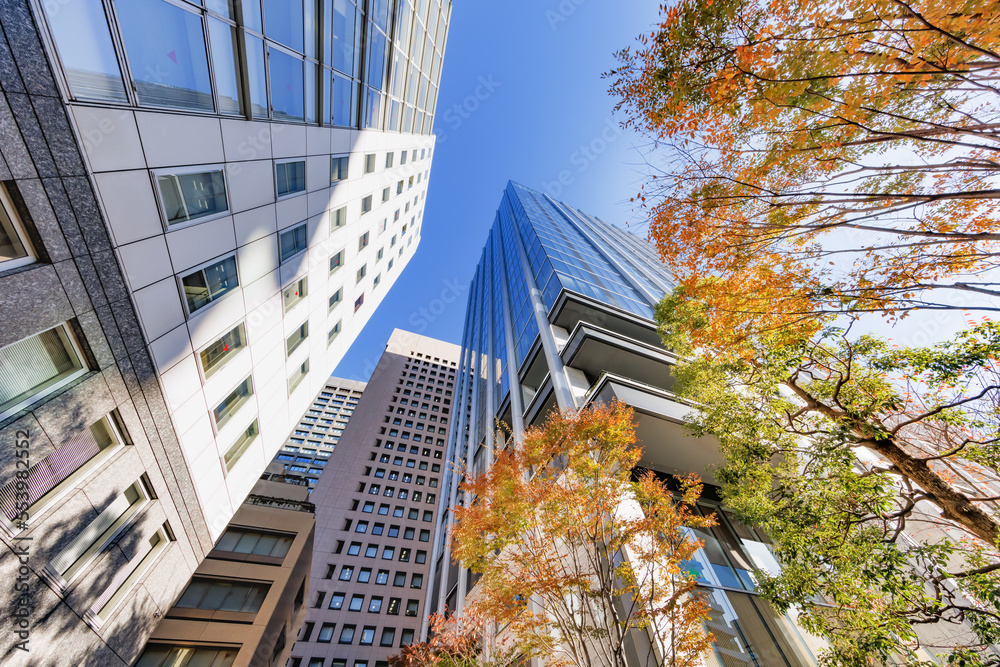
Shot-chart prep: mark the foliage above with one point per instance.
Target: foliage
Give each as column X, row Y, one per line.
column 837, row 446
column 454, row 642
column 823, row 156
column 575, row 549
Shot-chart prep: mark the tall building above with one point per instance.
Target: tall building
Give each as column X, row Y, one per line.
column 560, row 316
column 201, row 205
column 308, row 449
column 375, row 516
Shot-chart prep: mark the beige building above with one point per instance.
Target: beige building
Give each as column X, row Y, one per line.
column 376, row 512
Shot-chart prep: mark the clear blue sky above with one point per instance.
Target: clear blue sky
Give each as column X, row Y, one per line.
column 521, row 99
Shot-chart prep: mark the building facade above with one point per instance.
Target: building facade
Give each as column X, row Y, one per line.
column 201, row 204
column 308, row 449
column 560, row 316
column 375, row 515
column 246, row 600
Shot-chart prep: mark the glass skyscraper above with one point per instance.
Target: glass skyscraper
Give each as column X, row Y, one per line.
column 560, row 315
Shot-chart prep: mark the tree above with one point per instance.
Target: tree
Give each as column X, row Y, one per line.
column 454, row 642
column 836, row 445
column 822, row 156
column 576, row 549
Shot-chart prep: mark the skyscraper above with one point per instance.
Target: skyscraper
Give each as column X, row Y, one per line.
column 559, row 317
column 375, row 514
column 201, row 205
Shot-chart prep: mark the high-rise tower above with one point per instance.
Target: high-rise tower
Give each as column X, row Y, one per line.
column 560, row 316
column 201, row 205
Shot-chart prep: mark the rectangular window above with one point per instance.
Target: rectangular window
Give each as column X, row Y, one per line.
column 406, row 637
column 362, row 272
column 335, row 299
column 357, row 602
column 346, row 573
column 298, row 336
column 370, row 163
column 367, row 637
column 399, row 191
column 388, row 159
column 393, row 607
column 215, row 355
column 15, row 250
column 402, row 158
column 388, row 636
column 338, row 218
column 62, row 468
column 366, row 204
column 359, row 302
column 233, row 402
column 157, row 655
column 338, row 168
column 376, row 280
column 210, row 283
column 292, row 241
column 221, row 595
column 347, row 634
column 363, row 241
column 385, row 194
column 295, row 293
column 364, row 575
column 299, row 375
column 379, row 255
column 191, row 195
column 290, row 177
column 417, row 581
column 336, row 261
column 36, row 367
column 337, row 599
column 253, row 542
column 99, row 532
column 325, row 633
column 412, row 606
column 399, row 580
column 334, row 332
column 127, row 577
column 238, row 448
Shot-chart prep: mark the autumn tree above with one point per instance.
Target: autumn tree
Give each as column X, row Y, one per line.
column 576, row 549
column 456, row 641
column 820, row 156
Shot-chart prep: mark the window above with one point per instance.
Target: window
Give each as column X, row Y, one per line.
column 290, row 177
column 354, row 549
column 388, row 553
column 190, row 195
column 428, row 515
column 337, row 600
column 368, row 507
column 334, row 332
column 241, row 445
column 388, row 636
column 375, row 605
column 36, row 367
column 399, row 191
column 210, row 283
column 62, row 468
column 357, row 602
column 421, row 557
column 215, row 355
column 385, row 194
column 406, row 637
column 408, row 533
column 347, row 634
column 425, row 535
column 399, row 580
column 378, row 528
column 363, row 241
column 295, row 293
column 128, row 576
column 336, row 298
column 297, row 376
column 393, row 531
column 393, row 608
column 371, row 551
column 336, row 261
column 15, row 250
column 376, row 280
column 402, row 158
column 300, row 334
column 233, row 402
column 157, row 655
column 367, row 636
column 404, row 555
column 370, row 163
column 223, row 595
column 362, row 272
column 338, row 218
column 412, row 606
column 366, row 204
column 325, row 633
column 292, row 241
column 417, row 581
column 338, row 168
column 362, row 527
column 364, row 575
column 359, row 302
column 382, row 577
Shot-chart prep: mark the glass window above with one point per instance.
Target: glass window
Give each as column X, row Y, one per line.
column 14, row 247
column 347, row 634
column 256, row 70
column 346, row 573
column 336, row 261
column 286, row 85
column 189, row 196
column 370, row 163
column 233, row 402
column 240, row 446
column 382, row 578
column 406, row 637
column 375, row 605
column 388, row 636
column 224, row 595
column 367, row 637
column 366, row 204
column 337, row 599
column 295, row 293
column 336, row 298
column 343, row 36
column 388, row 159
column 290, row 177
column 297, row 376
column 388, row 553
column 354, row 549
column 169, row 62
column 338, row 218
column 364, row 575
column 325, row 633
column 338, row 168
column 224, row 61
column 342, row 92
column 417, row 581
column 359, row 302
column 399, row 580
column 412, row 606
column 157, row 655
column 363, row 241
column 258, row 543
column 357, row 602
column 334, row 332
column 393, row 608
column 283, row 22
column 292, row 342
column 37, row 366
column 83, row 39
column 216, row 354
column 210, row 283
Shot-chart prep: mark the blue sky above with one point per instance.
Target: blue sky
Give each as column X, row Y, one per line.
column 521, row 99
